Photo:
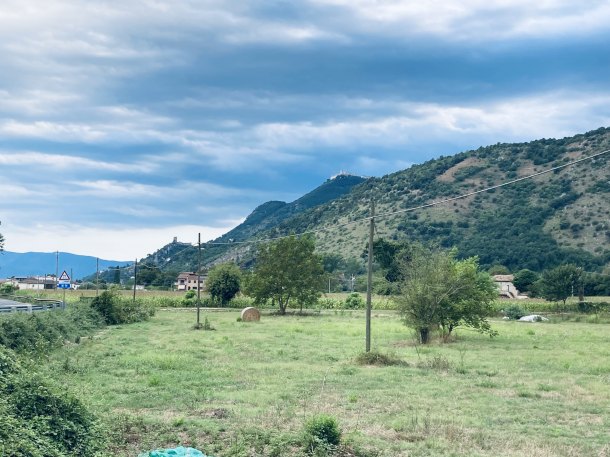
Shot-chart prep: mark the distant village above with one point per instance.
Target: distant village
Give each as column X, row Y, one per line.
column 187, row 280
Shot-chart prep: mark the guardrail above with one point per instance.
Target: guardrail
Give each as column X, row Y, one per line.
column 25, row 304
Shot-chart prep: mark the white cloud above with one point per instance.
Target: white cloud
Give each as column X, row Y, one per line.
column 475, row 20
column 33, row 160
column 553, row 114
column 106, row 243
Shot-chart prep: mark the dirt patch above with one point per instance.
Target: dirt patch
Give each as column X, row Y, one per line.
column 216, row 413
column 448, row 175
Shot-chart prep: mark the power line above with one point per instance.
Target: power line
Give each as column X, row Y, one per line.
column 414, row 208
column 497, row 186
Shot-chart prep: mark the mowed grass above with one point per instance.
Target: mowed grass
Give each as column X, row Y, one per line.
column 246, row 389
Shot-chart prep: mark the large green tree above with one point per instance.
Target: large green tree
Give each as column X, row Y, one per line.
column 440, row 291
column 524, row 279
column 286, row 271
column 561, row 282
column 224, row 282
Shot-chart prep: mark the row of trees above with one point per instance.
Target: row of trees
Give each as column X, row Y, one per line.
column 436, row 290
column 557, row 284
column 286, row 271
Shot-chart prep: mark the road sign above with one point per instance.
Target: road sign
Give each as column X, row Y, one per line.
column 64, row 277
column 63, row 285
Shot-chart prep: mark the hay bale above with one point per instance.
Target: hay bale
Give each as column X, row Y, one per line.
column 250, row 314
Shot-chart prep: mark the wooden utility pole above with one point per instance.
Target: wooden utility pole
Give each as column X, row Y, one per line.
column 56, row 269
column 198, row 325
column 97, row 276
column 135, row 279
column 369, row 283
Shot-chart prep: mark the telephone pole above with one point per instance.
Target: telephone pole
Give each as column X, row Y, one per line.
column 97, row 276
column 135, row 279
column 370, row 278
column 198, row 325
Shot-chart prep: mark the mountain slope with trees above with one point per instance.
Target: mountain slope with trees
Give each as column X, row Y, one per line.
column 539, row 223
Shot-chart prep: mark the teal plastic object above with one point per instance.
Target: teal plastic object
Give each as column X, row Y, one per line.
column 177, row 452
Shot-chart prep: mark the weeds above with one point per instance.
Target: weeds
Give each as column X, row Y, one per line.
column 379, row 359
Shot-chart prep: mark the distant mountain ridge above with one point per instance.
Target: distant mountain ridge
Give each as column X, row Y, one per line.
column 559, row 217
column 42, row 263
column 265, row 217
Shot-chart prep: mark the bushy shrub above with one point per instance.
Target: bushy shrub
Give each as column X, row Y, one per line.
column 40, row 420
column 8, row 288
column 329, row 303
column 593, row 307
column 241, row 301
column 385, row 304
column 190, row 294
column 378, row 358
column 117, row 310
column 41, row 331
column 354, row 301
column 322, row 430
column 514, row 312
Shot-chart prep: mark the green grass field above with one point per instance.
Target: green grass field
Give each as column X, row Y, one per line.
column 246, row 389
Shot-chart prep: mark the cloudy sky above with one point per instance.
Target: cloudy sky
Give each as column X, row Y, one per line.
column 126, row 123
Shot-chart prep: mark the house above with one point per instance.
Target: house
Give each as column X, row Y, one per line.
column 505, row 286
column 34, row 282
column 188, row 281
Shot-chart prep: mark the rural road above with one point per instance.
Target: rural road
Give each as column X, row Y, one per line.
column 7, row 303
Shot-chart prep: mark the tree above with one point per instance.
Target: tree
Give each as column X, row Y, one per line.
column 224, row 281
column 524, row 279
column 498, row 270
column 439, row 290
column 561, row 282
column 332, row 262
column 116, row 279
column 390, row 255
column 287, row 270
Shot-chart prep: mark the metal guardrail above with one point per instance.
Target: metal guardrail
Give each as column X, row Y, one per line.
column 24, row 304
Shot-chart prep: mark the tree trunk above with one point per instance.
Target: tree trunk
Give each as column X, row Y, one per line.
column 424, row 335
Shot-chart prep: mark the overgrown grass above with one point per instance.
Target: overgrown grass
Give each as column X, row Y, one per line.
column 249, row 388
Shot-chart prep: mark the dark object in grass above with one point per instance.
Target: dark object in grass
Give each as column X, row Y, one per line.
column 379, row 359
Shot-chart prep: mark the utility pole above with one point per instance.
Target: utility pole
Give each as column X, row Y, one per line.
column 198, row 325
column 56, row 268
column 97, row 276
column 135, row 279
column 370, row 278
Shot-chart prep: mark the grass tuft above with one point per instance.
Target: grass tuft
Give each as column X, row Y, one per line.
column 378, row 359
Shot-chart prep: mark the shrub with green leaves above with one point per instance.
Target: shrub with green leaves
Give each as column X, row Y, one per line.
column 8, row 288
column 118, row 310
column 354, row 301
column 514, row 312
column 322, row 430
column 38, row 419
column 41, row 331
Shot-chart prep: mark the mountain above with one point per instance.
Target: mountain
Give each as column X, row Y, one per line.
column 557, row 217
column 265, row 217
column 42, row 263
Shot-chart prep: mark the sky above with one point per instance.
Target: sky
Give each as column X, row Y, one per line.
column 124, row 124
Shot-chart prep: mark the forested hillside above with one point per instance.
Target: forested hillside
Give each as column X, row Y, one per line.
column 563, row 216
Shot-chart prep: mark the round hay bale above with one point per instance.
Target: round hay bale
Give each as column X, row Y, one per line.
column 250, row 314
